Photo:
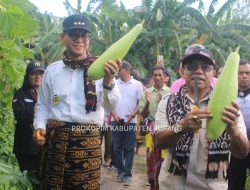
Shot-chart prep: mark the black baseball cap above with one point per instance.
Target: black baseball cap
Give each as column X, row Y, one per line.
column 199, row 52
column 35, row 66
column 76, row 21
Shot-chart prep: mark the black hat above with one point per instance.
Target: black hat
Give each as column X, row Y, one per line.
column 198, row 52
column 76, row 21
column 35, row 66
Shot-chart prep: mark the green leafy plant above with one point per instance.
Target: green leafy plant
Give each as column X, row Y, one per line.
column 11, row 178
column 16, row 29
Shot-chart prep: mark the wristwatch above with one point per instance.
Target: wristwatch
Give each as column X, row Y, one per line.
column 108, row 87
column 177, row 129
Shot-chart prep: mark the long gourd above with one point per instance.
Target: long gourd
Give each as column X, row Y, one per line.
column 223, row 94
column 116, row 51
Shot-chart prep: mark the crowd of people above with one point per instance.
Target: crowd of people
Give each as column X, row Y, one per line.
column 63, row 117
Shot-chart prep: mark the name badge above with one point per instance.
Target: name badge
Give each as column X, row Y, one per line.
column 55, row 100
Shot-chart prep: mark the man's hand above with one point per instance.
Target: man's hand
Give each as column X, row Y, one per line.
column 239, row 144
column 230, row 116
column 115, row 116
column 39, row 136
column 148, row 96
column 130, row 117
column 111, row 69
column 192, row 121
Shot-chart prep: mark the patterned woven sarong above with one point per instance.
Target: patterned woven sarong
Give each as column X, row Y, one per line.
column 72, row 156
column 154, row 158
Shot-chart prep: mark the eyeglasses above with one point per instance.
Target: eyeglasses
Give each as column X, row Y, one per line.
column 194, row 66
column 75, row 35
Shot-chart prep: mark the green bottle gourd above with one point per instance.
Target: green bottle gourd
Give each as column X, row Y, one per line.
column 116, row 51
column 223, row 94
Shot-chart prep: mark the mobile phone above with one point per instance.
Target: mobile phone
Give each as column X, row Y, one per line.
column 160, row 59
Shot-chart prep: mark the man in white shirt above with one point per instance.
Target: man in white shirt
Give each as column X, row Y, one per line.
column 192, row 162
column 124, row 134
column 69, row 110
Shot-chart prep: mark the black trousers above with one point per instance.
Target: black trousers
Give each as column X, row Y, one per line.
column 30, row 163
column 238, row 173
column 27, row 162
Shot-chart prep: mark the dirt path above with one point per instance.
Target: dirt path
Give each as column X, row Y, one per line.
column 108, row 179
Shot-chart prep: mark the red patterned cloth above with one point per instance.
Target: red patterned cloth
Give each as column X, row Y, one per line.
column 154, row 161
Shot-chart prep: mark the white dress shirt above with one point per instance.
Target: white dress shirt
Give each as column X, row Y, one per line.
column 244, row 103
column 131, row 93
column 195, row 179
column 61, row 97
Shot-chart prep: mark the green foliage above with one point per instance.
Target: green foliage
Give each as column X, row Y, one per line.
column 247, row 186
column 14, row 21
column 70, row 8
column 16, row 29
column 22, row 39
column 12, row 179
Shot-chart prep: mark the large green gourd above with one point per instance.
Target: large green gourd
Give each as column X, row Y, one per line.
column 223, row 94
column 116, row 51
